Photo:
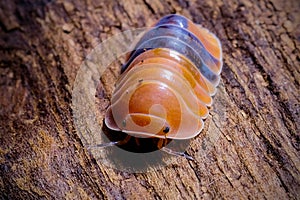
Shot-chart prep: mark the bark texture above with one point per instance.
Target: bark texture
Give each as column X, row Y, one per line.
column 255, row 118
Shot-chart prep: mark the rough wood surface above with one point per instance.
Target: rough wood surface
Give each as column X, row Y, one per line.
column 256, row 154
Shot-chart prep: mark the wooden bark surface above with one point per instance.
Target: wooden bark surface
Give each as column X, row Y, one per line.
column 255, row 115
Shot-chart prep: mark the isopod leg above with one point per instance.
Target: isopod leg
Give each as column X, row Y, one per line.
column 124, row 141
column 137, row 141
column 161, row 143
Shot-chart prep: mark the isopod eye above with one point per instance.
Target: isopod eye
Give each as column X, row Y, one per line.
column 166, row 130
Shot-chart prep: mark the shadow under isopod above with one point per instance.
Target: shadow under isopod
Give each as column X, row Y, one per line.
column 137, row 154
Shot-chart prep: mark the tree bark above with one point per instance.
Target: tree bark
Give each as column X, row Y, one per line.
column 248, row 149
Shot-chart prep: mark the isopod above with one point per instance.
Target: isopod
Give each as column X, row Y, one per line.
column 167, row 83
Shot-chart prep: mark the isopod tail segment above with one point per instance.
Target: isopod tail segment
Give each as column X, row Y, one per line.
column 167, row 83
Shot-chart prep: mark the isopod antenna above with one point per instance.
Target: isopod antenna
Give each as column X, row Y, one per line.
column 176, row 153
column 109, row 144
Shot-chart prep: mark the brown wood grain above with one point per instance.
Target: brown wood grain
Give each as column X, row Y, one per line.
column 248, row 149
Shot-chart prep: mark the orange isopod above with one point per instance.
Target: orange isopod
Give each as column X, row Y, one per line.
column 167, row 83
